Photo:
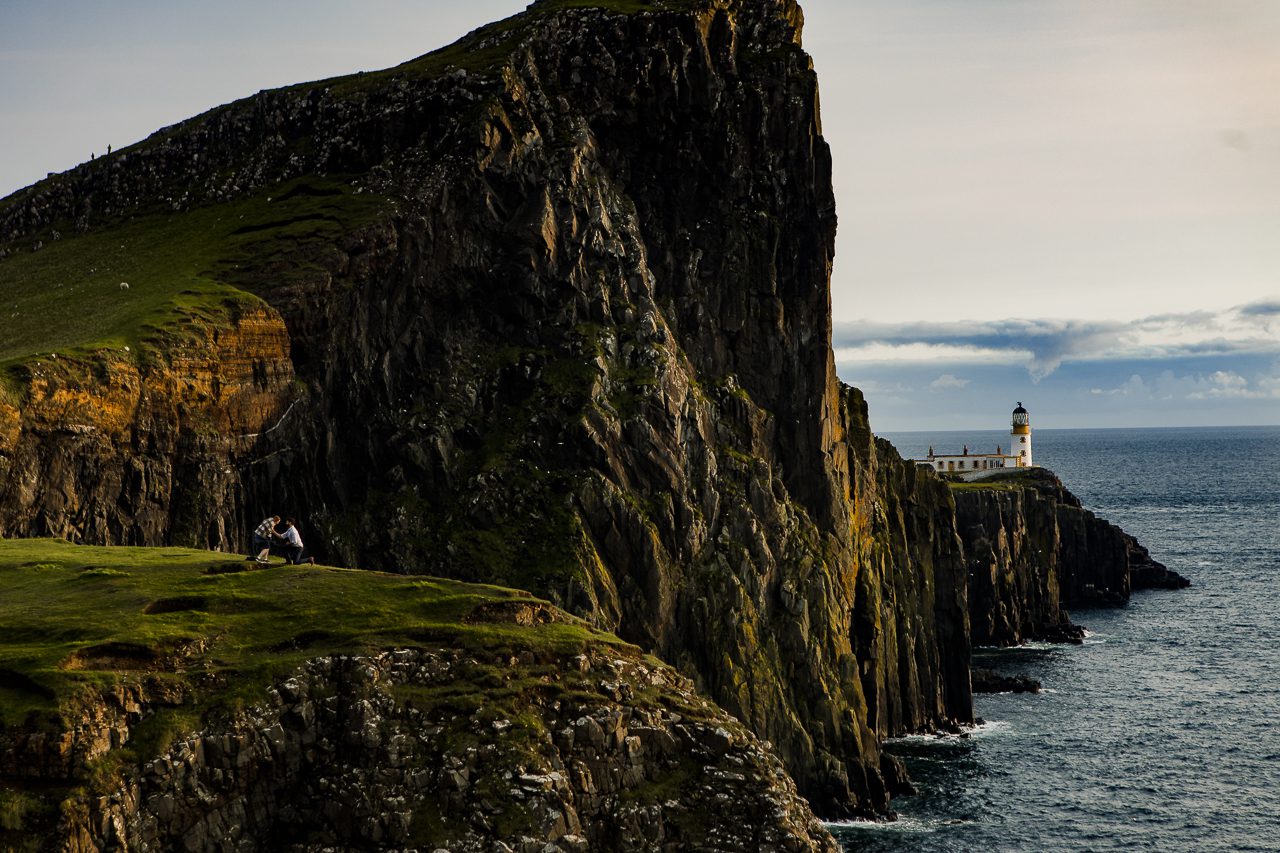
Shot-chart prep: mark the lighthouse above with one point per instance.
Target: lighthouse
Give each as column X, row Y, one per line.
column 1020, row 437
column 969, row 466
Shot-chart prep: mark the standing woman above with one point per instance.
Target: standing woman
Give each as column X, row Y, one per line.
column 262, row 537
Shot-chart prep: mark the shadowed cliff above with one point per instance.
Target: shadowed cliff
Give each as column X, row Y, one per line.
column 1033, row 549
column 548, row 308
column 580, row 344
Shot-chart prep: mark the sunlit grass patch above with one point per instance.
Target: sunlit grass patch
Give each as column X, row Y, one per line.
column 126, row 283
column 74, row 617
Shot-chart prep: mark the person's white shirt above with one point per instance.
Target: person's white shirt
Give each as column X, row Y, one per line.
column 291, row 536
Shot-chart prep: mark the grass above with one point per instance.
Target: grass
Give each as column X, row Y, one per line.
column 79, row 618
column 199, row 265
column 984, row 485
column 1004, row 481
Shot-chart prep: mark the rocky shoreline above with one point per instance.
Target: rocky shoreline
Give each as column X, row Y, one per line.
column 990, row 681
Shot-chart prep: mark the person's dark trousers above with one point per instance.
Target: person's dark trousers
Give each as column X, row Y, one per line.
column 293, row 554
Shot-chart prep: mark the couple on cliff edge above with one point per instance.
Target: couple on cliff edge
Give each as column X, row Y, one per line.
column 291, row 542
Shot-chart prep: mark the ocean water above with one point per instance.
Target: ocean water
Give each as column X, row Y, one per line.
column 1161, row 732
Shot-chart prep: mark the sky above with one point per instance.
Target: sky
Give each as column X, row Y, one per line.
column 1073, row 203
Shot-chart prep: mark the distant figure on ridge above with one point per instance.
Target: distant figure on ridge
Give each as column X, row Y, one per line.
column 262, row 536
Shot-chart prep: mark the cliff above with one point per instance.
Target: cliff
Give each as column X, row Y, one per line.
column 576, row 340
column 1032, row 549
column 167, row 721
column 549, row 309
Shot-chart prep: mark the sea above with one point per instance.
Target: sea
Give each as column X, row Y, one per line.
column 1162, row 731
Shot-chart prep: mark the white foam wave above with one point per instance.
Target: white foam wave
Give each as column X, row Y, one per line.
column 1035, row 645
column 987, row 728
column 904, row 823
column 992, row 728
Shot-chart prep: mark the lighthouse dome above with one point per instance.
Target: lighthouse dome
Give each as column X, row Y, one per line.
column 1021, row 422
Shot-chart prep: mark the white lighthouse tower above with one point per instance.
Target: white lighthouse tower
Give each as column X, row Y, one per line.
column 1020, row 437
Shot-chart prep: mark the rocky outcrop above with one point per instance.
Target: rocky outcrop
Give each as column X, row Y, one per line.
column 1033, row 549
column 1014, row 546
column 1148, row 573
column 389, row 751
column 990, row 681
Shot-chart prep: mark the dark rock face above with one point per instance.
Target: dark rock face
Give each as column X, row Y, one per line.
column 587, row 353
column 1032, row 548
column 990, row 681
column 341, row 756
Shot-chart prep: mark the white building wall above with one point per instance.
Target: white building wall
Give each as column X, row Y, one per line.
column 951, row 464
column 1020, row 446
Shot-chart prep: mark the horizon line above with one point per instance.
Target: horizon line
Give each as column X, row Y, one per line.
column 1057, row 429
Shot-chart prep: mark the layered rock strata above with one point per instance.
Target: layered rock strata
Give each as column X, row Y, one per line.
column 113, row 450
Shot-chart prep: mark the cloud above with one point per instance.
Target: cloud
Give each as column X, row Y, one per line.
column 947, row 382
column 1041, row 346
column 1218, row 385
column 880, row 352
column 1261, row 309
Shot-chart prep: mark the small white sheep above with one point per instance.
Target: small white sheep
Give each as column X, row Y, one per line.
column 124, row 285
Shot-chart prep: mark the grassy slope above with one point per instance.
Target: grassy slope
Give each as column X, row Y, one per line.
column 77, row 619
column 74, row 617
column 66, row 298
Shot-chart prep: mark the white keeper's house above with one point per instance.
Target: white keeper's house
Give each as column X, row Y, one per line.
column 975, row 466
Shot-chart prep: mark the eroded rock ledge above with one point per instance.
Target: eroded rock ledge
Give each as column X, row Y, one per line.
column 1032, row 550
column 401, row 750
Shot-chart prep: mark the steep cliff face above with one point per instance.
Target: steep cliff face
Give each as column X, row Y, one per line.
column 371, row 752
column 1032, row 549
column 585, row 350
column 1012, row 540
column 911, row 622
column 116, row 450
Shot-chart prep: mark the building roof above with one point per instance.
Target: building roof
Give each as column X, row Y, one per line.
column 973, row 456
